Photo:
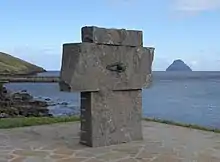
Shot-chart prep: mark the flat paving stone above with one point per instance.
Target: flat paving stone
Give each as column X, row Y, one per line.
column 60, row 143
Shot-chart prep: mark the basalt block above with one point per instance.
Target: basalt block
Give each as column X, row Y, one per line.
column 111, row 117
column 94, row 67
column 110, row 67
column 123, row 37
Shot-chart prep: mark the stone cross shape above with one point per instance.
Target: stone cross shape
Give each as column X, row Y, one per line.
column 110, row 67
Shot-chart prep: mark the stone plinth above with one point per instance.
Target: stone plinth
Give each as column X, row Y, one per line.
column 122, row 37
column 84, row 67
column 111, row 117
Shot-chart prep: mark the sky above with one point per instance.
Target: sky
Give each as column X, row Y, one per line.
column 178, row 29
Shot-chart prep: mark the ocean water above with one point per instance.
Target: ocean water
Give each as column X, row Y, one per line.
column 188, row 97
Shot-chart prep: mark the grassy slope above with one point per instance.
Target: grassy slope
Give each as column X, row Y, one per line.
column 10, row 65
column 33, row 121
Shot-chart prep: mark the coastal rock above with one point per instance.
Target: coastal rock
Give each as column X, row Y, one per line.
column 23, row 96
column 47, row 99
column 63, row 103
column 21, row 104
column 178, row 65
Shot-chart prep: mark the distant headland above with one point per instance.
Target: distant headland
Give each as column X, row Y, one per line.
column 178, row 65
column 10, row 65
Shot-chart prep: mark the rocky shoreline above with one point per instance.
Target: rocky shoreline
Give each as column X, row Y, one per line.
column 21, row 104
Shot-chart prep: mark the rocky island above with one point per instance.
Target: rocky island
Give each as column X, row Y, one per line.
column 178, row 65
column 10, row 65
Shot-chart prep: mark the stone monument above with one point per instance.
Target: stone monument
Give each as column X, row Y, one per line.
column 110, row 67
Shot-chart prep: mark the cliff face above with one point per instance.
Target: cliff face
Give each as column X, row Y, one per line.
column 178, row 65
column 10, row 65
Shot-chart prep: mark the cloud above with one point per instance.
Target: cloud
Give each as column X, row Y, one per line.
column 196, row 5
column 160, row 63
column 194, row 63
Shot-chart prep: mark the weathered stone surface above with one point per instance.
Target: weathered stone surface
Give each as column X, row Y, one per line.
column 111, row 117
column 85, row 67
column 109, row 68
column 93, row 34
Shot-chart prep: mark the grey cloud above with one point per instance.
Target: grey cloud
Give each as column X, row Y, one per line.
column 196, row 5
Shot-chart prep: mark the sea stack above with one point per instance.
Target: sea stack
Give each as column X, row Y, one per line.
column 178, row 65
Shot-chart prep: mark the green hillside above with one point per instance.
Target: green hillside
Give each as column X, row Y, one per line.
column 10, row 65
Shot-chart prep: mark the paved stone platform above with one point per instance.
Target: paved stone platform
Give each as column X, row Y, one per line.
column 59, row 143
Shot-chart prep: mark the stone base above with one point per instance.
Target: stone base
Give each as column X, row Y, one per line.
column 111, row 117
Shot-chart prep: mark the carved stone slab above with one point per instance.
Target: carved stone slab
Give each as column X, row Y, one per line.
column 92, row 67
column 110, row 68
column 124, row 37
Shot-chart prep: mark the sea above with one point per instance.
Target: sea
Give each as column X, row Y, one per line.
column 186, row 97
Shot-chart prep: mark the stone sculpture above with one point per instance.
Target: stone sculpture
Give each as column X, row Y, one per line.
column 109, row 68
